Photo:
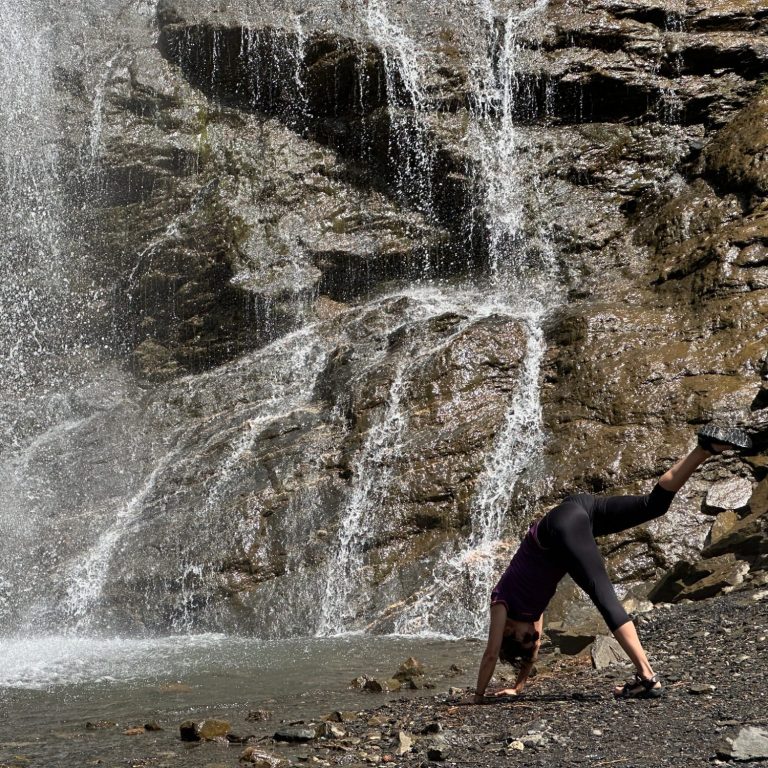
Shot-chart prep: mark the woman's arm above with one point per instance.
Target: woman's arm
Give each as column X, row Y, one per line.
column 492, row 648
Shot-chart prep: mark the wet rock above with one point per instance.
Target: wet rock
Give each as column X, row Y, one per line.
column 409, row 670
column 295, row 734
column 153, row 726
column 606, row 652
column 329, row 730
column 258, row 715
column 341, row 717
column 135, row 731
column 748, row 743
column 261, row 759
column 204, row 730
column 733, row 493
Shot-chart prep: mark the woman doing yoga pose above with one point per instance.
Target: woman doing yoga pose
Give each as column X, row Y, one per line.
column 563, row 541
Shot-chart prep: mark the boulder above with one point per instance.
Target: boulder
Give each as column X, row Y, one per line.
column 697, row 581
column 749, row 743
column 571, row 641
column 724, row 523
column 747, row 538
column 606, row 652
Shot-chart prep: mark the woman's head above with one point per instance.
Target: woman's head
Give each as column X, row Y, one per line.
column 519, row 642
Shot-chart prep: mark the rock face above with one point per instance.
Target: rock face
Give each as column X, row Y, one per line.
column 368, row 286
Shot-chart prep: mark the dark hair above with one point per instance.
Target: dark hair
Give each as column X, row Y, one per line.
column 512, row 651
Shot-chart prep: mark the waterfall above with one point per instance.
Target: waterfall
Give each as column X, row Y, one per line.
column 161, row 518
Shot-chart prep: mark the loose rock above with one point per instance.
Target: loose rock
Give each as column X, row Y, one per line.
column 295, row 734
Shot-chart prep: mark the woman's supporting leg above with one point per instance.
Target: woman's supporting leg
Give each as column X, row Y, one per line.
column 626, row 635
column 570, row 532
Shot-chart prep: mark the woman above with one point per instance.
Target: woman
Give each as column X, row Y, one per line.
column 563, row 541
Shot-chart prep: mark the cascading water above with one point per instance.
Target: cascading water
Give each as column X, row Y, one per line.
column 180, row 457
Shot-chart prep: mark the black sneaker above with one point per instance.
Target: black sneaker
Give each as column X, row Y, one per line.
column 731, row 436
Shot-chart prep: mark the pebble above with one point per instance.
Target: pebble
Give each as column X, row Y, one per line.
column 258, row 715
column 700, row 688
column 405, row 742
column 205, row 730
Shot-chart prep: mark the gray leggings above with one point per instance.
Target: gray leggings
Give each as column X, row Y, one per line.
column 569, row 531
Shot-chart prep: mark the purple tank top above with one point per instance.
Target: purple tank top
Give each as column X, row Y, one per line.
column 530, row 581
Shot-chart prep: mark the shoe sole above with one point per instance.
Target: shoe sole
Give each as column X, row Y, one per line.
column 738, row 438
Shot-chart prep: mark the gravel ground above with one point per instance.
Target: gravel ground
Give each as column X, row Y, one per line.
column 712, row 655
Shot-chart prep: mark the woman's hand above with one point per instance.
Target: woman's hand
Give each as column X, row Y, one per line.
column 507, row 692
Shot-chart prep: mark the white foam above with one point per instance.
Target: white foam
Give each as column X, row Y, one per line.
column 53, row 660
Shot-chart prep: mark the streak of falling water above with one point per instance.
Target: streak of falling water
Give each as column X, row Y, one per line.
column 372, row 474
column 496, row 100
column 31, row 284
column 409, row 145
column 86, row 578
column 97, row 110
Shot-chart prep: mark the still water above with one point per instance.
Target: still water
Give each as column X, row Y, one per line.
column 50, row 687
